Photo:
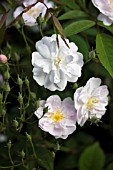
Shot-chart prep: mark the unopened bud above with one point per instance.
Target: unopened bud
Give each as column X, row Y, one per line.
column 28, row 136
column 6, row 75
column 15, row 123
column 92, row 54
column 7, row 87
column 33, row 95
column 20, row 98
column 19, row 81
column 27, row 81
column 22, row 154
column 17, row 57
column 3, row 112
column 3, row 58
column 8, row 46
column 53, row 154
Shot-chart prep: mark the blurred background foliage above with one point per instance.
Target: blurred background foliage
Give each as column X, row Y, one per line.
column 27, row 147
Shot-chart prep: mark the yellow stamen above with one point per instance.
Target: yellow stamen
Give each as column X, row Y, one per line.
column 33, row 12
column 57, row 61
column 91, row 103
column 57, row 116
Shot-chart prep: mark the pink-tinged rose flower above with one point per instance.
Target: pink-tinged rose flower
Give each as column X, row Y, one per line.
column 60, row 118
column 91, row 100
column 106, row 9
column 3, row 58
column 55, row 66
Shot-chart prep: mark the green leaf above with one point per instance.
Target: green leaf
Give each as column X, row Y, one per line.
column 45, row 158
column 104, row 48
column 70, row 3
column 91, row 31
column 72, row 15
column 78, row 26
column 109, row 167
column 92, row 158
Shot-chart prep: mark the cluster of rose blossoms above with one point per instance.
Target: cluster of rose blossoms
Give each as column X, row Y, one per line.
column 29, row 17
column 55, row 65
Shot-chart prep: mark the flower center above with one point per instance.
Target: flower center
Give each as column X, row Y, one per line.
column 111, row 3
column 57, row 116
column 91, row 103
column 33, row 12
column 57, row 61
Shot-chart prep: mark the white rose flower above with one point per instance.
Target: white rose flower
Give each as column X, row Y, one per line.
column 90, row 100
column 31, row 15
column 53, row 65
column 60, row 119
column 106, row 9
